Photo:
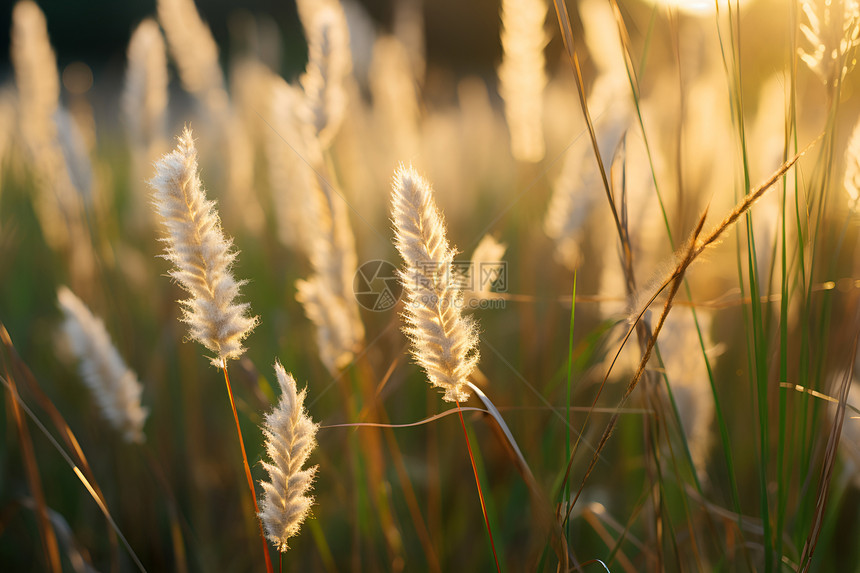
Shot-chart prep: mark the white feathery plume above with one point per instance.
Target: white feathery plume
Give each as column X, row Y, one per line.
column 291, row 178
column 195, row 52
column 38, row 86
column 114, row 386
column 395, row 98
column 485, row 267
column 201, row 255
column 444, row 342
column 75, row 154
column 362, row 34
column 705, row 130
column 832, row 30
column 604, row 46
column 328, row 69
column 481, row 138
column 409, row 29
column 313, row 217
column 579, row 188
column 573, row 200
column 852, row 169
column 290, row 437
column 251, row 87
column 144, row 106
column 240, row 198
column 144, row 96
column 308, row 9
column 339, row 330
column 522, row 76
column 645, row 234
column 55, row 154
column 327, row 295
column 35, row 72
column 196, row 55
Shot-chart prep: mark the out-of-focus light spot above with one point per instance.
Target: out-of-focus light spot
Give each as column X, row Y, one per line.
column 77, row 78
column 700, row 7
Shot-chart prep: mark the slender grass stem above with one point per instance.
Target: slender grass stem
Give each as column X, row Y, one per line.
column 569, row 382
column 480, row 491
column 269, row 568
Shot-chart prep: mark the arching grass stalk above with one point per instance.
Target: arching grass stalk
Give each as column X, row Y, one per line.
column 247, row 469
column 444, row 342
column 202, row 258
column 478, row 485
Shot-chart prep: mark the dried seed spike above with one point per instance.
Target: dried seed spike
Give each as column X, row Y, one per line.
column 290, row 438
column 113, row 384
column 201, row 255
column 444, row 342
column 522, row 76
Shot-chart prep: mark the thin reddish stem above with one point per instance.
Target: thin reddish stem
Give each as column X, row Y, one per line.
column 480, row 491
column 269, row 568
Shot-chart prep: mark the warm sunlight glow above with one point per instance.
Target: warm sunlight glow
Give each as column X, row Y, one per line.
column 700, row 7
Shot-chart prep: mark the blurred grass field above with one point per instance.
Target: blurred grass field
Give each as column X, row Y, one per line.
column 727, row 455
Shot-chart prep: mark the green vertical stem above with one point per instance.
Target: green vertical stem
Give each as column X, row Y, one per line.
column 784, row 480
column 758, row 358
column 480, row 490
column 567, row 414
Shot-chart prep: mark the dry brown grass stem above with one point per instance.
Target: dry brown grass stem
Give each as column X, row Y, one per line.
column 541, row 503
column 695, row 247
column 34, row 479
column 751, row 198
column 45, row 403
column 405, row 481
column 75, row 456
column 247, row 468
column 829, row 462
column 570, row 48
column 677, row 279
column 591, row 517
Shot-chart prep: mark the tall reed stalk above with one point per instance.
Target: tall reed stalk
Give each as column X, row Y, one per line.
column 202, row 259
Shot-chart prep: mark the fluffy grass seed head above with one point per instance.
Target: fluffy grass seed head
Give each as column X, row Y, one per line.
column 327, row 295
column 195, row 52
column 144, row 97
column 290, row 437
column 832, row 33
column 486, row 267
column 444, row 342
column 114, row 386
column 201, row 255
column 35, row 71
column 329, row 67
column 394, row 94
column 522, row 75
column 852, row 170
column 38, row 85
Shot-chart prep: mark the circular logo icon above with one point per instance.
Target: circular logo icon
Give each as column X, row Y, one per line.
column 376, row 286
